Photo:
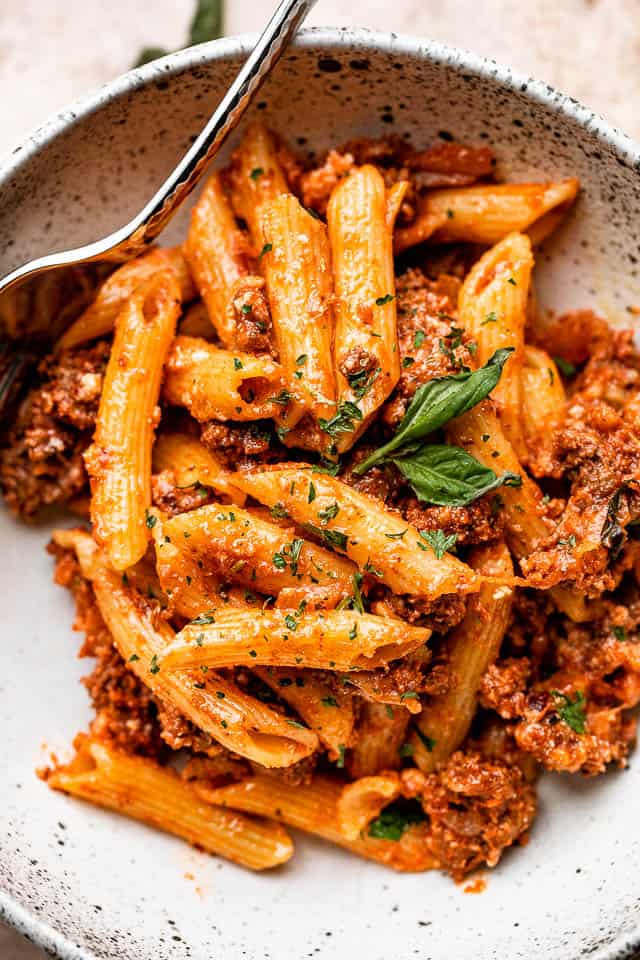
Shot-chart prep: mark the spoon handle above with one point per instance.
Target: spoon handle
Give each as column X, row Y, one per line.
column 277, row 34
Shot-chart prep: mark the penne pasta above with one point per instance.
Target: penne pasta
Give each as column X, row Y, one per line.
column 488, row 213
column 363, row 800
column 195, row 323
column 381, row 732
column 256, row 179
column 119, row 460
column 213, row 703
column 327, row 713
column 367, row 358
column 334, row 640
column 362, row 528
column 492, row 307
column 543, row 400
column 217, row 252
column 143, row 790
column 193, row 465
column 239, row 546
column 99, row 318
column 472, row 646
column 215, row 384
column 297, row 271
column 313, row 807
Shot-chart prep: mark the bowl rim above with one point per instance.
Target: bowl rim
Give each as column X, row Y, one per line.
column 12, row 912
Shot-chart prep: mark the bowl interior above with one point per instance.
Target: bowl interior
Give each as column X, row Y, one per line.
column 86, row 883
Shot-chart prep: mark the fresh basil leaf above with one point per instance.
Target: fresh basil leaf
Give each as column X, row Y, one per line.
column 438, row 401
column 207, row 22
column 449, row 476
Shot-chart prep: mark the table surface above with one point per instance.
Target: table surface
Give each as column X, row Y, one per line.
column 52, row 52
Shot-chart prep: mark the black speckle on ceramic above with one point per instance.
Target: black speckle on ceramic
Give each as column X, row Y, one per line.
column 85, row 884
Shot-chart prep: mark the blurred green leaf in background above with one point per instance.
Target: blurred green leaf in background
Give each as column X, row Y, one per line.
column 207, row 24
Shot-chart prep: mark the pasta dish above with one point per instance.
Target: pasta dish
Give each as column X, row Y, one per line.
column 356, row 541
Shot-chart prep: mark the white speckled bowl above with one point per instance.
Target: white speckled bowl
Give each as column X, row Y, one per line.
column 86, row 884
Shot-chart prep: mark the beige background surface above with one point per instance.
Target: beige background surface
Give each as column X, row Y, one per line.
column 52, row 51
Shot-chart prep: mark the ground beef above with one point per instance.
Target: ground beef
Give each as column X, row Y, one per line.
column 41, row 463
column 125, row 710
column 440, row 615
column 238, row 443
column 298, row 773
column 172, row 499
column 252, row 318
column 477, row 523
column 476, row 809
column 431, row 342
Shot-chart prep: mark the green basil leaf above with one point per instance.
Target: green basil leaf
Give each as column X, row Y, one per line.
column 438, row 401
column 449, row 476
column 395, row 819
column 207, row 23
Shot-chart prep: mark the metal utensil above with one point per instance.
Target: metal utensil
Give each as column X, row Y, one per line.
column 131, row 239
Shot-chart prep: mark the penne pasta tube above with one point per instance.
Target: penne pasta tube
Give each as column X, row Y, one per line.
column 313, row 807
column 327, row 713
column 238, row 546
column 119, row 459
column 218, row 255
column 195, row 322
column 143, row 790
column 362, row 528
column 479, row 432
column 99, row 318
column 213, row 703
column 366, row 350
column 543, row 400
column 191, row 590
column 472, row 647
column 363, row 800
column 256, row 179
column 493, row 307
column 193, row 464
column 297, row 271
column 380, row 734
column 215, row 384
column 487, row 213
column 333, row 640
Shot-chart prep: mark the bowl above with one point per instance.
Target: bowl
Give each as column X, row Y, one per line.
column 84, row 883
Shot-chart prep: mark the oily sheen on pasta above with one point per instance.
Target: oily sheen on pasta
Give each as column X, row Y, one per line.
column 356, row 532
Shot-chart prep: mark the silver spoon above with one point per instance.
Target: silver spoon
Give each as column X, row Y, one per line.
column 135, row 236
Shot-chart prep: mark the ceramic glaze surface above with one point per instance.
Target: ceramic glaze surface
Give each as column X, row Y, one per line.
column 86, row 884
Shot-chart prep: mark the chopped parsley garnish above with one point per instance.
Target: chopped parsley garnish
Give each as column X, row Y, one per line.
column 253, row 653
column 312, row 492
column 568, row 541
column 566, row 368
column 331, row 469
column 268, row 247
column 512, row 282
column 394, row 820
column 362, row 380
column 291, row 622
column 450, row 213
column 341, row 752
column 439, row 542
column 150, row 520
column 571, row 711
column 237, row 364
column 407, row 362
column 427, row 742
column 329, row 513
column 133, row 658
column 409, row 695
column 406, row 750
column 396, row 536
column 418, row 338
column 282, row 398
column 301, row 359
column 154, row 666
column 382, row 301
column 353, row 633
column 329, row 702
column 344, row 420
column 256, row 172
column 246, row 308
column 219, row 694
column 294, row 723
column 199, row 685
column 278, row 511
column 204, row 618
column 619, row 633
column 490, row 318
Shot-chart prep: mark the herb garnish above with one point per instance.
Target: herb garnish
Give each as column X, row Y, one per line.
column 439, row 542
column 329, row 702
column 381, row 301
column 150, row 520
column 362, row 380
column 256, row 172
column 204, row 618
column 566, row 368
column 343, row 420
column 571, row 711
column 268, row 247
column 394, row 820
column 449, row 476
column 437, row 402
column 329, row 513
